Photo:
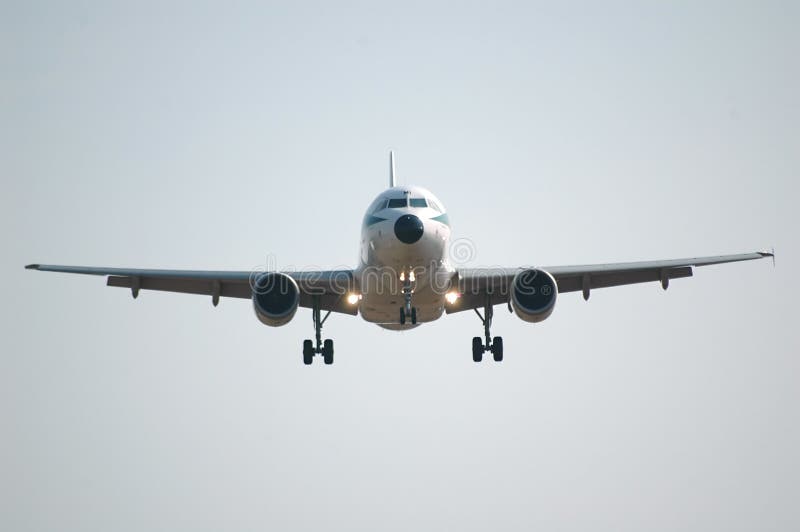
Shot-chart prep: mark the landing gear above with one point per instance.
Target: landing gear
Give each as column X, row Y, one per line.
column 404, row 314
column 407, row 311
column 310, row 348
column 477, row 349
column 496, row 346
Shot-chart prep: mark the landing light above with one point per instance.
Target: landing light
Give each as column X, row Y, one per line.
column 353, row 298
column 452, row 297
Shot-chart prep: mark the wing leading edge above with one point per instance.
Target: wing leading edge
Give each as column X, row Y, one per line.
column 476, row 284
column 330, row 286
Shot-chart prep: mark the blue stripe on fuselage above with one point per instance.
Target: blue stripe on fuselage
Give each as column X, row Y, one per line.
column 442, row 218
column 372, row 220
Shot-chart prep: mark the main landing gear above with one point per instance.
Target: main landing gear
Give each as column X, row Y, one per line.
column 496, row 345
column 321, row 348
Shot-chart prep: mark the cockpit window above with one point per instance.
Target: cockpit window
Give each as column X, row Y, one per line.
column 397, row 203
column 418, row 202
column 380, row 206
column 435, row 205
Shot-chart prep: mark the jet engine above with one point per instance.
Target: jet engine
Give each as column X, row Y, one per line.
column 276, row 297
column 533, row 294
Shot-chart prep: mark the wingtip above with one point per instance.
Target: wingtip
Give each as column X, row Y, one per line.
column 32, row 267
column 770, row 253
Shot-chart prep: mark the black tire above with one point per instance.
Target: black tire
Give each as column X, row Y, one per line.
column 414, row 315
column 402, row 316
column 477, row 349
column 308, row 352
column 327, row 351
column 497, row 348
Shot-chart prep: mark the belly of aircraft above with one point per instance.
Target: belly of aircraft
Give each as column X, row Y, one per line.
column 384, row 310
column 382, row 287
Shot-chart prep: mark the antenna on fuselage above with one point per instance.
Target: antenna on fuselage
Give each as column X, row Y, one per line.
column 392, row 181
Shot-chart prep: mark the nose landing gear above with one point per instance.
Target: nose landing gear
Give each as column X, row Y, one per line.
column 496, row 345
column 404, row 314
column 407, row 311
column 321, row 348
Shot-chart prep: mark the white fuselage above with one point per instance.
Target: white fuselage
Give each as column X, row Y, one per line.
column 404, row 239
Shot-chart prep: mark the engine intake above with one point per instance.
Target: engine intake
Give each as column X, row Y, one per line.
column 276, row 297
column 533, row 294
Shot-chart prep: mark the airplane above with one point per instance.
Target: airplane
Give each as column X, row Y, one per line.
column 404, row 278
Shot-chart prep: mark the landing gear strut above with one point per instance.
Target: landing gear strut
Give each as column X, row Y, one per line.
column 407, row 311
column 496, row 346
column 321, row 348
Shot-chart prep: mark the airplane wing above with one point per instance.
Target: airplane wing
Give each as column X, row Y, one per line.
column 476, row 284
column 331, row 285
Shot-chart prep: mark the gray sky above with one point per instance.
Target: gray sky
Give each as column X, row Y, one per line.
column 208, row 136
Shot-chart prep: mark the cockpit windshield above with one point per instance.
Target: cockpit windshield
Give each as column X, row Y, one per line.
column 379, row 206
column 402, row 203
column 397, row 203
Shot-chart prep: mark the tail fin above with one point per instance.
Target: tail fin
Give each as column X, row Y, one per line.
column 392, row 180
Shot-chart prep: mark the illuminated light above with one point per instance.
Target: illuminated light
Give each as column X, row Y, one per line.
column 353, row 298
column 452, row 297
column 411, row 276
column 402, row 276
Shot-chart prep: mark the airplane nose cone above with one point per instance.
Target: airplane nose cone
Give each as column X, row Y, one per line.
column 408, row 228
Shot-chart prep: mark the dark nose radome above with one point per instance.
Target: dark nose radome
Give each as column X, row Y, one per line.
column 408, row 228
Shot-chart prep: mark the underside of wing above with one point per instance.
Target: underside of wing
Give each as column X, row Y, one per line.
column 493, row 285
column 329, row 287
column 587, row 277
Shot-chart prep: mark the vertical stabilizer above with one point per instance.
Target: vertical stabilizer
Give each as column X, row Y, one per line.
column 392, row 181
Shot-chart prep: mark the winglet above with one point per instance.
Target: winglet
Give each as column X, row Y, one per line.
column 32, row 267
column 770, row 253
column 392, row 181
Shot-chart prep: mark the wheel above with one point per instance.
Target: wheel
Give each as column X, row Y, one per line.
column 308, row 352
column 327, row 351
column 414, row 315
column 402, row 316
column 477, row 349
column 497, row 348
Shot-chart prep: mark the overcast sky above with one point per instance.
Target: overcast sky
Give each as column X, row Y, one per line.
column 210, row 136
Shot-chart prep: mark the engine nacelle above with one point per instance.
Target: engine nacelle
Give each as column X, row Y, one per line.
column 533, row 294
column 276, row 297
